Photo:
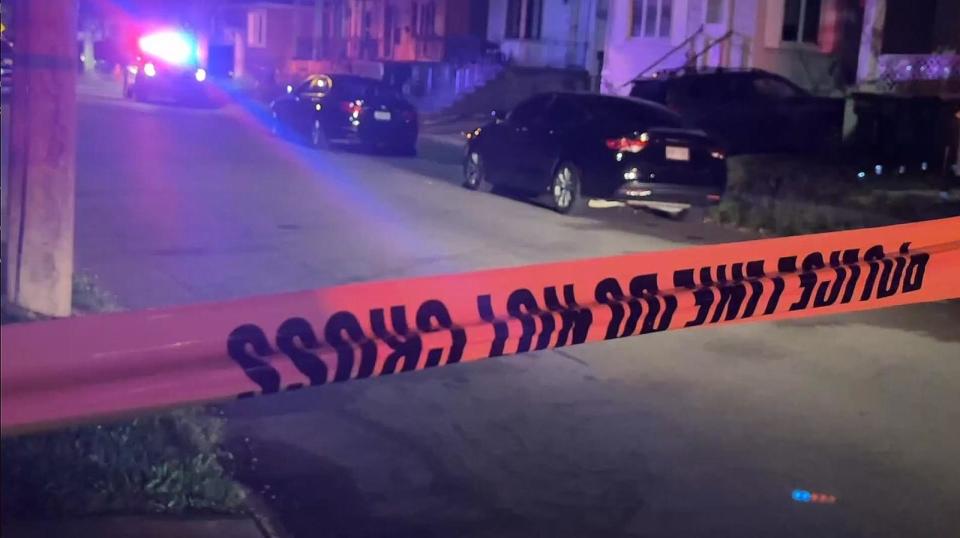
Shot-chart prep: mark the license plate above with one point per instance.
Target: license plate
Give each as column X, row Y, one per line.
column 677, row 153
column 382, row 115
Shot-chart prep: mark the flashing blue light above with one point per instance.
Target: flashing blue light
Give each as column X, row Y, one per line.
column 801, row 495
column 172, row 47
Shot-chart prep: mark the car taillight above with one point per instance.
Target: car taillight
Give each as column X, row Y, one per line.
column 354, row 108
column 629, row 144
column 718, row 153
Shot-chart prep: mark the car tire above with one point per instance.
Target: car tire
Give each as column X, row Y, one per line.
column 475, row 173
column 565, row 189
column 318, row 137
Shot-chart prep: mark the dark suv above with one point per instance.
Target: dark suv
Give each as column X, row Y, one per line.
column 750, row 111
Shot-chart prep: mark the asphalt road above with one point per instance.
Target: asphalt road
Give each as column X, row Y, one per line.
column 689, row 433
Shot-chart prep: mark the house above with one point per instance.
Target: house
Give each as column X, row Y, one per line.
column 396, row 30
column 259, row 37
column 550, row 34
column 807, row 41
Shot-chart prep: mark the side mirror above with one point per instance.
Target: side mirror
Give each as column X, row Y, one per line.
column 498, row 115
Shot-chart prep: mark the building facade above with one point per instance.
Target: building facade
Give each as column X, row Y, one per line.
column 551, row 34
column 399, row 30
column 801, row 39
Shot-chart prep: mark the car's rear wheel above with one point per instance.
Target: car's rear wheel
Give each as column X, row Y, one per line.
column 318, row 137
column 565, row 191
column 475, row 173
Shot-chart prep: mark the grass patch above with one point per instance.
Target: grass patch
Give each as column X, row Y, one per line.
column 166, row 463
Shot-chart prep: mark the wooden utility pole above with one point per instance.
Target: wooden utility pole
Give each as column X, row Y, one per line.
column 40, row 212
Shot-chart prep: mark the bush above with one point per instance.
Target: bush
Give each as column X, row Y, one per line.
column 165, row 463
column 88, row 297
column 787, row 195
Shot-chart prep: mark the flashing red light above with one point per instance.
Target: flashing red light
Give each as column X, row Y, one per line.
column 629, row 144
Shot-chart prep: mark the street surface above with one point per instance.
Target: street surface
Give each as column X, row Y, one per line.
column 689, row 433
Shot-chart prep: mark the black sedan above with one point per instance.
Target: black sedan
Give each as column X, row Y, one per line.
column 577, row 148
column 327, row 109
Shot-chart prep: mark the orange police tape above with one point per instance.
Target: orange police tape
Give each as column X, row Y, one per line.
column 75, row 369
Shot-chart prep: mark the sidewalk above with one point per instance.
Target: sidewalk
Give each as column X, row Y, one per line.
column 101, row 85
column 449, row 131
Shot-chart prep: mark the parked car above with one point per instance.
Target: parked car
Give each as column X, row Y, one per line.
column 152, row 80
column 749, row 111
column 166, row 68
column 347, row 109
column 570, row 148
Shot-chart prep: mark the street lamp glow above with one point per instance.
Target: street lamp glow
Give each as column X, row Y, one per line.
column 149, row 69
column 200, row 75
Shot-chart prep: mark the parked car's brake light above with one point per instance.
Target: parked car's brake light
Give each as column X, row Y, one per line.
column 630, row 145
column 354, row 108
column 718, row 153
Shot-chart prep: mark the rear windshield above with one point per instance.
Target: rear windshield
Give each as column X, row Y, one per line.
column 651, row 90
column 363, row 88
column 634, row 112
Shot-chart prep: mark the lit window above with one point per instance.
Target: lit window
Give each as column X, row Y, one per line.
column 714, row 13
column 524, row 19
column 257, row 28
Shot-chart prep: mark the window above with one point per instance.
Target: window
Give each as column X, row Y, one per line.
column 651, row 18
column 257, row 28
column 801, row 21
column 613, row 111
column 524, row 19
column 565, row 112
column 512, row 29
column 774, row 88
column 704, row 88
column 428, row 19
column 714, row 14
column 529, row 110
column 534, row 17
column 650, row 90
